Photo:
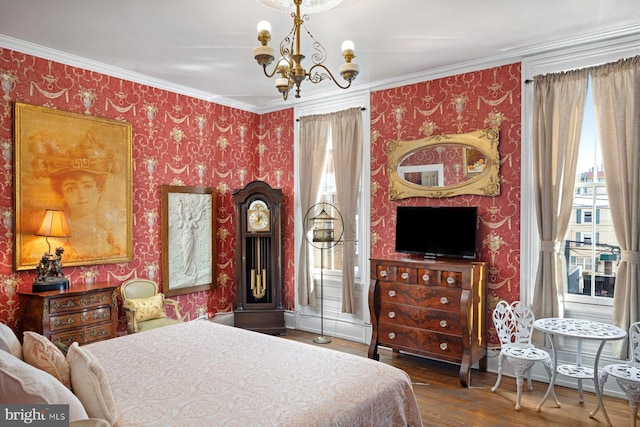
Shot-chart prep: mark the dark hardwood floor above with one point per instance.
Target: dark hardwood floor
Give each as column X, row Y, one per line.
column 443, row 402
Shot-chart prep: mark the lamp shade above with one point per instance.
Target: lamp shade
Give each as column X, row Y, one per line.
column 53, row 224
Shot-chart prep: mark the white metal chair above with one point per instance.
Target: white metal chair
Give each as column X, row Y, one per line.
column 627, row 374
column 514, row 326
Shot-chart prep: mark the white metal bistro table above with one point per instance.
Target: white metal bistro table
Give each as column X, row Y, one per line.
column 580, row 329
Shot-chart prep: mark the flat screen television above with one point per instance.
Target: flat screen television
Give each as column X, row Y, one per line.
column 437, row 231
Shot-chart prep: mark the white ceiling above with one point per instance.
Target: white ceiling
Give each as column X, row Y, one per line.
column 204, row 48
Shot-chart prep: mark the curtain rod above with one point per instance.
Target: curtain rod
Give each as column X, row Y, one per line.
column 361, row 109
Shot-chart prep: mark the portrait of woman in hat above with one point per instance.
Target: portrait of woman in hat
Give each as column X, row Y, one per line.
column 84, row 178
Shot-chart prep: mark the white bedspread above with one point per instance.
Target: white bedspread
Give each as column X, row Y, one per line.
column 206, row 374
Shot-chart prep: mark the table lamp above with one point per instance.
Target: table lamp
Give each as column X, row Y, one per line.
column 50, row 276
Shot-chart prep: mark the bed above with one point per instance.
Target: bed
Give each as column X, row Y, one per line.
column 202, row 373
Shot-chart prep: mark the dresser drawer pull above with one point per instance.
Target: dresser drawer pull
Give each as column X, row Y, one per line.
column 392, row 314
column 96, row 316
column 93, row 299
column 68, row 321
column 383, row 273
column 392, row 293
column 94, row 333
column 444, row 300
column 68, row 304
column 392, row 335
column 425, row 277
column 451, row 280
column 404, row 276
column 443, row 346
column 443, row 324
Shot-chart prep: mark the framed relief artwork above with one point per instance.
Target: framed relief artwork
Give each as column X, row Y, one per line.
column 80, row 165
column 189, row 252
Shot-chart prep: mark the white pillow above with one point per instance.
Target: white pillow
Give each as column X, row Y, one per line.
column 38, row 351
column 89, row 382
column 9, row 341
column 21, row 383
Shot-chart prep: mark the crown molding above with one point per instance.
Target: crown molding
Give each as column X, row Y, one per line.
column 7, row 42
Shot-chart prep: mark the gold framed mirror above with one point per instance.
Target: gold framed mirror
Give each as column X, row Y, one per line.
column 445, row 165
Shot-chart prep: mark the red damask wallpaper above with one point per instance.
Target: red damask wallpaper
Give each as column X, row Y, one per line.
column 177, row 140
column 456, row 104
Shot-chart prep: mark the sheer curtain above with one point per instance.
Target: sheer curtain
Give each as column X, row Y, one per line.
column 616, row 96
column 559, row 101
column 346, row 128
column 314, row 137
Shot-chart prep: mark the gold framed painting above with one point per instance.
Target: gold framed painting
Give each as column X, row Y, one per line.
column 81, row 165
column 474, row 161
column 189, row 227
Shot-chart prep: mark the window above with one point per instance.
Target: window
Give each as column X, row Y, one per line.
column 590, row 196
column 600, row 259
column 306, row 316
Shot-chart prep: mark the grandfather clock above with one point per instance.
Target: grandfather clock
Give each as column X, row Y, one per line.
column 259, row 258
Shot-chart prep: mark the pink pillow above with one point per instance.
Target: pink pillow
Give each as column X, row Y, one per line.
column 38, row 351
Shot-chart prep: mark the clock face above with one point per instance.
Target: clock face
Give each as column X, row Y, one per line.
column 258, row 217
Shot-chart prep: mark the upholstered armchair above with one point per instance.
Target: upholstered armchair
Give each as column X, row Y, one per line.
column 144, row 306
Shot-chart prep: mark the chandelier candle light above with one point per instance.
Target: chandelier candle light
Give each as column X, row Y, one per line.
column 290, row 68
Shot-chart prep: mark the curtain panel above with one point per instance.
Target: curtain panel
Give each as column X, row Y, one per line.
column 346, row 131
column 314, row 137
column 616, row 96
column 559, row 101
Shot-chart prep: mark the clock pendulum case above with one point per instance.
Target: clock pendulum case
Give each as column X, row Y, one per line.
column 259, row 258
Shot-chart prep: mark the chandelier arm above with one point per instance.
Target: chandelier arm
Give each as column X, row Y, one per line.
column 272, row 73
column 314, row 80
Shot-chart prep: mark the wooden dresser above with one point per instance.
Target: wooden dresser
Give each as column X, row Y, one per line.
column 430, row 308
column 85, row 314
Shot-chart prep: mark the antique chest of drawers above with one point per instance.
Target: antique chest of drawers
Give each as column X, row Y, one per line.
column 430, row 308
column 85, row 314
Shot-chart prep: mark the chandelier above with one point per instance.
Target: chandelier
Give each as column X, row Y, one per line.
column 289, row 67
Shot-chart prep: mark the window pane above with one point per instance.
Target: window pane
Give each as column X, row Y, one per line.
column 591, row 263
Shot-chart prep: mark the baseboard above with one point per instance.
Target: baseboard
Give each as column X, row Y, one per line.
column 334, row 328
column 351, row 331
column 224, row 318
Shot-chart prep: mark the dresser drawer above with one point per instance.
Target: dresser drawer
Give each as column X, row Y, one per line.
column 439, row 345
column 451, row 279
column 390, row 273
column 82, row 319
column 75, row 302
column 426, row 276
column 85, row 335
column 447, row 322
column 426, row 296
